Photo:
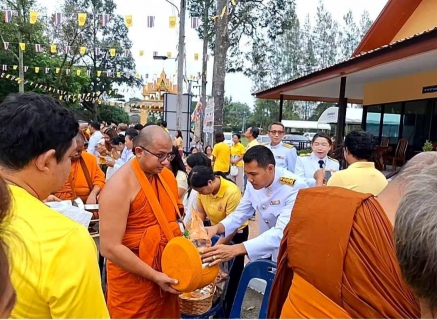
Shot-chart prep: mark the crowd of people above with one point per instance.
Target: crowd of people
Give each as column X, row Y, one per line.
column 347, row 242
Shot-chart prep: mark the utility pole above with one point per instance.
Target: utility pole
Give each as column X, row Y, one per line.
column 181, row 58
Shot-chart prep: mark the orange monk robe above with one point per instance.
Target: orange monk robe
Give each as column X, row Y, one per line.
column 129, row 296
column 85, row 135
column 337, row 260
column 78, row 179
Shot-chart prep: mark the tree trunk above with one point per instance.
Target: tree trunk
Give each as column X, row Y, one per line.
column 219, row 70
column 204, row 64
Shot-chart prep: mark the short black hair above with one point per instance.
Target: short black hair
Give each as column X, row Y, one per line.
column 138, row 127
column 261, row 154
column 360, row 144
column 31, row 124
column 164, row 123
column 198, row 159
column 322, row 135
column 219, row 137
column 255, row 131
column 276, row 124
column 95, row 125
column 132, row 133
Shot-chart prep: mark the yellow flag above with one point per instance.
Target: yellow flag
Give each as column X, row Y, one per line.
column 82, row 50
column 172, row 22
column 15, row 67
column 57, row 70
column 168, row 54
column 53, row 48
column 128, row 21
column 99, row 73
column 141, row 53
column 196, row 56
column 22, row 46
column 60, row 98
column 118, row 74
column 33, row 17
column 234, row 3
column 223, row 12
column 137, row 76
column 81, row 19
column 36, row 69
column 112, row 52
column 78, row 72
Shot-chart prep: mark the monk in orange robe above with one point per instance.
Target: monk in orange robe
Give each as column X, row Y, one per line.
column 86, row 179
column 338, row 261
column 131, row 236
column 83, row 127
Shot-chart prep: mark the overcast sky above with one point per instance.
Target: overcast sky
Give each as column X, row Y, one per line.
column 163, row 39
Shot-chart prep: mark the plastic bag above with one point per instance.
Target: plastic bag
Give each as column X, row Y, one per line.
column 196, row 231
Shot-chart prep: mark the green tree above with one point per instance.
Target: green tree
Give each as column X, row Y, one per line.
column 98, row 41
column 321, row 107
column 112, row 114
column 235, row 115
column 364, row 24
column 350, row 36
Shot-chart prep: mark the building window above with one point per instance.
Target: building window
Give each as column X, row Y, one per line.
column 417, row 123
column 392, row 121
column 373, row 120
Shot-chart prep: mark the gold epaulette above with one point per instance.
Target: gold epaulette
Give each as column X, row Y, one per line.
column 264, row 143
column 305, row 155
column 332, row 159
column 289, row 146
column 287, row 181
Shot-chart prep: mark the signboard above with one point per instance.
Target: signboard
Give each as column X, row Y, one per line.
column 429, row 89
column 208, row 122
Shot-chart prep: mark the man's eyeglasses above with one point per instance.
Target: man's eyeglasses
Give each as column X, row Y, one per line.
column 274, row 132
column 161, row 157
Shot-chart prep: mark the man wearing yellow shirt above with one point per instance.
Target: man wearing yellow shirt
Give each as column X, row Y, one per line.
column 361, row 175
column 54, row 269
column 237, row 153
column 221, row 154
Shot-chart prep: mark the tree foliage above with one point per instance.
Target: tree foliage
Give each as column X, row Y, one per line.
column 112, row 114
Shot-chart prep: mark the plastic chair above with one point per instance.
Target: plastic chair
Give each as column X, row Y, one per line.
column 218, row 308
column 260, row 269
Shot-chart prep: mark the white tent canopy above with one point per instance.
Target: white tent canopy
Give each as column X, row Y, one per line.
column 309, row 125
column 330, row 115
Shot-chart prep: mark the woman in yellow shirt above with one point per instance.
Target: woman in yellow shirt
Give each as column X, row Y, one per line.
column 237, row 153
column 218, row 198
column 222, row 154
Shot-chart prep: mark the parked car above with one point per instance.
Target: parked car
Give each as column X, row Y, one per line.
column 228, row 138
column 309, row 135
column 263, row 139
column 299, row 141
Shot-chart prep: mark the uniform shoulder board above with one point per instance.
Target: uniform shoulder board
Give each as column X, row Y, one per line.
column 264, row 143
column 287, row 181
column 289, row 146
column 332, row 159
column 305, row 155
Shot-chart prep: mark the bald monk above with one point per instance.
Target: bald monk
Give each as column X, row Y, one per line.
column 132, row 238
column 86, row 179
column 83, row 127
column 337, row 257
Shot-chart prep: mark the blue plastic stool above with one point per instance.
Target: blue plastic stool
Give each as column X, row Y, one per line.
column 260, row 269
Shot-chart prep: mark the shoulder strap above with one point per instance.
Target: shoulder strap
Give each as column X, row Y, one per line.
column 153, row 200
column 73, row 192
column 87, row 174
column 173, row 200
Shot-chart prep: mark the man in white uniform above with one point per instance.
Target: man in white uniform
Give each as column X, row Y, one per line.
column 272, row 191
column 285, row 154
column 96, row 136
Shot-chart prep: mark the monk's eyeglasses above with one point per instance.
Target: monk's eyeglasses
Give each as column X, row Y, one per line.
column 161, row 157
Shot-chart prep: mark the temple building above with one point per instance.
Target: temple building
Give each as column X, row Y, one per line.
column 392, row 73
column 153, row 97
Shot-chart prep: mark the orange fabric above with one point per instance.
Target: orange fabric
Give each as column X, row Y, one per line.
column 128, row 295
column 79, row 181
column 341, row 242
column 84, row 135
column 298, row 306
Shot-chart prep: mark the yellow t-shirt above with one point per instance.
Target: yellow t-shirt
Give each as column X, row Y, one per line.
column 238, row 151
column 222, row 155
column 54, row 267
column 360, row 177
column 219, row 206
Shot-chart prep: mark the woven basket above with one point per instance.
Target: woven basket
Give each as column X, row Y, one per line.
column 195, row 307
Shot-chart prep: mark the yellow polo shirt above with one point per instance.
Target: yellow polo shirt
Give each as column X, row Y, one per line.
column 54, row 263
column 219, row 206
column 252, row 143
column 222, row 155
column 361, row 177
column 238, row 151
